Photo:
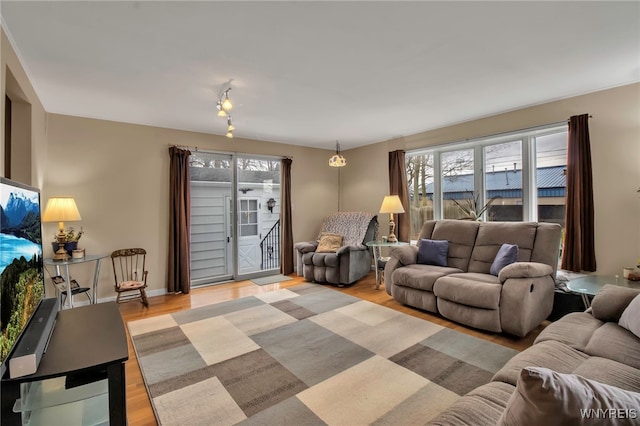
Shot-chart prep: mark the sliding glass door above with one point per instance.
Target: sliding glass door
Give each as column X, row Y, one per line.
column 235, row 217
column 211, row 219
column 258, row 218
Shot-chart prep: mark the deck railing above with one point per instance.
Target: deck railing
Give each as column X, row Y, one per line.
column 270, row 248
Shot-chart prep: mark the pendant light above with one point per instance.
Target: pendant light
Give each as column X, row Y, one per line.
column 337, row 160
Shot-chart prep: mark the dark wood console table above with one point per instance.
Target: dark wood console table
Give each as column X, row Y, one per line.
column 88, row 343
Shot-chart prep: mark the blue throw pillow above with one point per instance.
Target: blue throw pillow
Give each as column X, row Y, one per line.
column 433, row 252
column 507, row 254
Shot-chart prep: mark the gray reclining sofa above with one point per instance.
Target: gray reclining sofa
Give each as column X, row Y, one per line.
column 515, row 301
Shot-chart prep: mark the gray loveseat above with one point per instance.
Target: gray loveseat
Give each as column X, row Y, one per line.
column 515, row 301
column 348, row 263
column 588, row 344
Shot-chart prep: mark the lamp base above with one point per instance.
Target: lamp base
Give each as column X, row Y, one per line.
column 392, row 228
column 60, row 256
column 61, row 253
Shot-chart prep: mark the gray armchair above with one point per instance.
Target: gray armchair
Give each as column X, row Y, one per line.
column 348, row 263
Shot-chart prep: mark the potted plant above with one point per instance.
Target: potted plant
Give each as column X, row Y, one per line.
column 71, row 240
column 472, row 208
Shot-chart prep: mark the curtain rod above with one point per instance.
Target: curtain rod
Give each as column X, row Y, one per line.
column 568, row 119
column 208, row 151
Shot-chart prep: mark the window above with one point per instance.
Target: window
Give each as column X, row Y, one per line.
column 551, row 158
column 518, row 176
column 420, row 183
column 458, row 185
column 503, row 181
column 248, row 217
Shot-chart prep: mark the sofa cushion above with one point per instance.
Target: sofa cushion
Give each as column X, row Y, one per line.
column 461, row 235
column 546, row 397
column 433, row 252
column 614, row 342
column 507, row 255
column 611, row 301
column 477, row 290
column 491, row 236
column 550, row 354
column 574, row 329
column 325, row 259
column 329, row 243
column 630, row 318
column 480, row 407
column 610, row 372
column 420, row 277
column 485, row 319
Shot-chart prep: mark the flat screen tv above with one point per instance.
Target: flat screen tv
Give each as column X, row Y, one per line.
column 21, row 265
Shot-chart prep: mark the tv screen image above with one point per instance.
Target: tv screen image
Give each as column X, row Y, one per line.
column 21, row 263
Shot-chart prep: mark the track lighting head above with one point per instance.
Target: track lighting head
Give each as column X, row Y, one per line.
column 221, row 111
column 225, row 102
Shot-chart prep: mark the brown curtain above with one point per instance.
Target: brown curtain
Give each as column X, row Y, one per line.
column 286, row 251
column 398, row 186
column 179, row 272
column 579, row 243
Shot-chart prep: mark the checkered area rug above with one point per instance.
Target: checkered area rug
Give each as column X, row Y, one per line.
column 306, row 355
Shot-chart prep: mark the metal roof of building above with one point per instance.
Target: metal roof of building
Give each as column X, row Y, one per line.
column 547, row 177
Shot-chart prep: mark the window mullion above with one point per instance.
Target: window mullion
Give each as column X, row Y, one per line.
column 478, row 175
column 529, row 192
column 437, row 186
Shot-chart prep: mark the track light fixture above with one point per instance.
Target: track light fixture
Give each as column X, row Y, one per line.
column 337, row 160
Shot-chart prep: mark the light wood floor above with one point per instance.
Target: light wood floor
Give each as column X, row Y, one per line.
column 139, row 409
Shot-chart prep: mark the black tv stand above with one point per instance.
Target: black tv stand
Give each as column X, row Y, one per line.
column 87, row 344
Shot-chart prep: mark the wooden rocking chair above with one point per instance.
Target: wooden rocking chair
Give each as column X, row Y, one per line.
column 130, row 274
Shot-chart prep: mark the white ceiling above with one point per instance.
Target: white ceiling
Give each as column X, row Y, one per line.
column 311, row 73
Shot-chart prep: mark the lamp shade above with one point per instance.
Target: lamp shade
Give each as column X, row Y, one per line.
column 391, row 204
column 61, row 209
column 337, row 160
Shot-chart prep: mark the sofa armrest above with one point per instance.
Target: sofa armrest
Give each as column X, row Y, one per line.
column 399, row 256
column 406, row 255
column 525, row 302
column 306, row 247
column 301, row 249
column 525, row 270
column 346, row 249
column 611, row 301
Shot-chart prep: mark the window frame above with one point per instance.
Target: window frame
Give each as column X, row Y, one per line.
column 529, row 164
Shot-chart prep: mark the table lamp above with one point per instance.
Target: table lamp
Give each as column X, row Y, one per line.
column 61, row 209
column 391, row 204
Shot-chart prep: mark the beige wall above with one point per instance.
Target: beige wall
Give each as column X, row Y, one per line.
column 29, row 121
column 615, row 147
column 119, row 176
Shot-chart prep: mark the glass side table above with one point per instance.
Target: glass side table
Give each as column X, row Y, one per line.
column 590, row 285
column 67, row 275
column 378, row 259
